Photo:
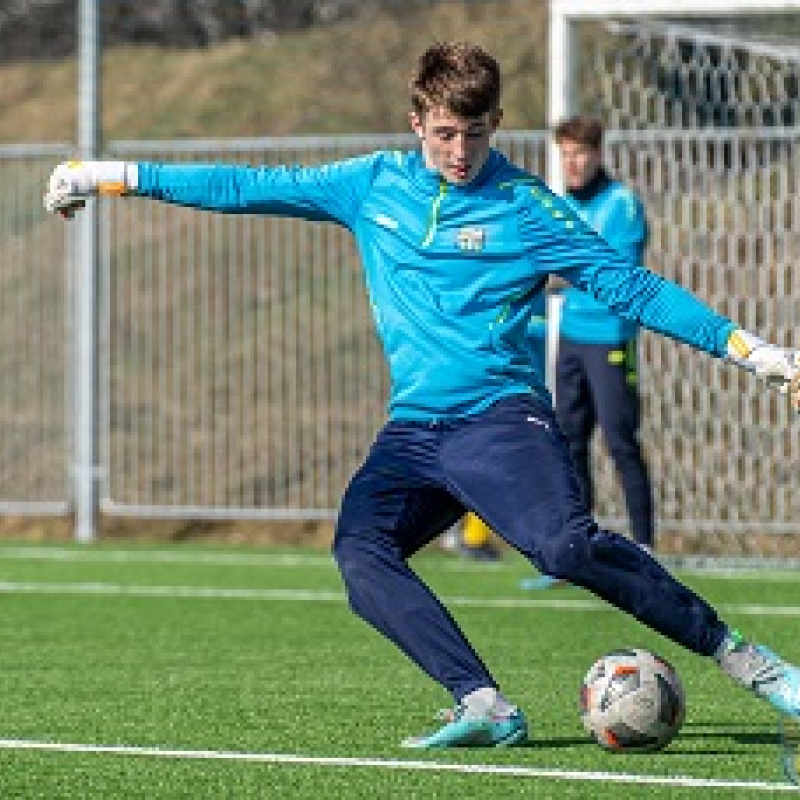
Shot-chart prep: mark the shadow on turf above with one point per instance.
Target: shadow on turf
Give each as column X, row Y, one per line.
column 727, row 731
column 534, row 743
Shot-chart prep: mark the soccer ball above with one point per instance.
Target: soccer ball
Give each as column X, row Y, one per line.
column 632, row 701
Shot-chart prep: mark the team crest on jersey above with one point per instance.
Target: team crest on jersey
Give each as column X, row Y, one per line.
column 471, row 239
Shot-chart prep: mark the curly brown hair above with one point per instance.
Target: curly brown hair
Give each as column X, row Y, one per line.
column 458, row 76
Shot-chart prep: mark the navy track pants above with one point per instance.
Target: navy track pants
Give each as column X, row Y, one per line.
column 511, row 465
column 597, row 385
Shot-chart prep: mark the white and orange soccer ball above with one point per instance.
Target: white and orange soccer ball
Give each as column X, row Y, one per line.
column 632, row 701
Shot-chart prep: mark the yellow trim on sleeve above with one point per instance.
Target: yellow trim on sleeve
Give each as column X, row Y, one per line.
column 112, row 188
column 738, row 345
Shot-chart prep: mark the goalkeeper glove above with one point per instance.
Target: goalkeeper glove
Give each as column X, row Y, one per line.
column 777, row 365
column 73, row 181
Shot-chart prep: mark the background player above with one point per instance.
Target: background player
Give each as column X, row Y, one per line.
column 596, row 375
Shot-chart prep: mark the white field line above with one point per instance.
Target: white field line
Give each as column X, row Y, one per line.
column 218, row 558
column 212, row 558
column 215, row 592
column 322, row 595
column 215, row 558
column 380, row 763
column 150, row 556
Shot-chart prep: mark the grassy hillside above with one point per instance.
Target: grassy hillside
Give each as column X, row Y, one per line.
column 349, row 77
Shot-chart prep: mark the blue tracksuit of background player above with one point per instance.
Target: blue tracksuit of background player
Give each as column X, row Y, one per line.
column 617, row 214
column 596, row 376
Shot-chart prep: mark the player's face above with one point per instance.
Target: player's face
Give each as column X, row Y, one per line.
column 579, row 162
column 455, row 147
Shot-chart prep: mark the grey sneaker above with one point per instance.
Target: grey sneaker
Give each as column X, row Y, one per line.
column 759, row 669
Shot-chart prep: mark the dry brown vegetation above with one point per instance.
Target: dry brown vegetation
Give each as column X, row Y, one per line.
column 344, row 78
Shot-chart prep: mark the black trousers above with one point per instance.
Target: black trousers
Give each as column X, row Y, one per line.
column 597, row 386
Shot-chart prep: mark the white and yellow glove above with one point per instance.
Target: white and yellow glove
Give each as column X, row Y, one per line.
column 73, row 181
column 778, row 366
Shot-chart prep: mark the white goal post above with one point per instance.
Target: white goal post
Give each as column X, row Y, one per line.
column 701, row 104
column 563, row 57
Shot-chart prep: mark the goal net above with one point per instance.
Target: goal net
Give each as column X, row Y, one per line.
column 703, row 120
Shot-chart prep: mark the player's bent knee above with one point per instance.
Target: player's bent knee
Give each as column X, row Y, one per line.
column 350, row 558
column 353, row 545
column 567, row 554
column 344, row 543
column 361, row 568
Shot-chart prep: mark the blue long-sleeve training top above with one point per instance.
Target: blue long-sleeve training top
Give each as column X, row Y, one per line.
column 453, row 272
column 617, row 214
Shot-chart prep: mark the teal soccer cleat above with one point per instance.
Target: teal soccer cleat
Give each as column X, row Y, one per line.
column 465, row 730
column 763, row 672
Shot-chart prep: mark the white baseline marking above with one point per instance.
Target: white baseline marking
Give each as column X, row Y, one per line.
column 216, row 592
column 213, row 558
column 102, row 555
column 309, row 559
column 380, row 763
column 322, row 595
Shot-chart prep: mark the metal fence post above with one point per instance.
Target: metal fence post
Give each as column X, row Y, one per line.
column 86, row 272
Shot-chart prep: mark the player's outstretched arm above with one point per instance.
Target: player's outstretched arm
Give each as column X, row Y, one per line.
column 665, row 307
column 73, row 181
column 331, row 192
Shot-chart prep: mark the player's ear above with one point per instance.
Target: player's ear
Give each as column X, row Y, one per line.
column 415, row 120
column 495, row 118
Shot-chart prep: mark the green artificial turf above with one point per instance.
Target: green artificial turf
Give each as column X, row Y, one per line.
column 242, row 673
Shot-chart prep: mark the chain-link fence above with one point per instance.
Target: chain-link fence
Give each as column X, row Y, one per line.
column 240, row 376
column 704, row 124
column 35, row 352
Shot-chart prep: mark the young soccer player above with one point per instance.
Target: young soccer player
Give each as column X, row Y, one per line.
column 457, row 244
